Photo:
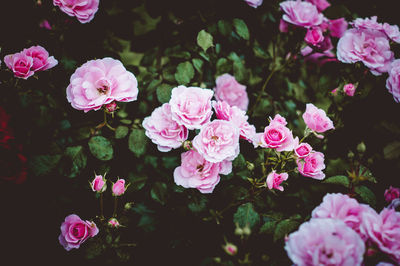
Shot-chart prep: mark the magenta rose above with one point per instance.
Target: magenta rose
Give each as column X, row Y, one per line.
column 277, row 136
column 229, row 90
column 316, row 119
column 392, row 193
column 100, row 82
column 393, row 81
column 314, row 36
column 164, row 131
column 325, row 242
column 312, row 165
column 20, row 63
column 275, row 180
column 119, row 187
column 349, row 89
column 197, row 172
column 254, row 3
column 218, row 141
column 299, row 13
column 83, row 10
column 98, row 184
column 75, row 231
column 41, row 59
column 320, row 4
column 301, row 150
column 337, row 27
column 191, row 106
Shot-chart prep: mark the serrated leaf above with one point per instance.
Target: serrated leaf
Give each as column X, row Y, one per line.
column 284, row 227
column 204, row 40
column 338, row 180
column 198, row 64
column 366, row 195
column 137, row 141
column 184, row 73
column 246, row 215
column 101, row 148
column 241, row 28
column 164, row 93
column 121, row 132
column 43, row 164
column 159, row 192
column 77, row 160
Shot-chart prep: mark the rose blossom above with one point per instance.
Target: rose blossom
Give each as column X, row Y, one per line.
column 229, row 90
column 20, row 64
column 337, row 27
column 275, row 180
column 254, row 3
column 301, row 150
column 392, row 193
column 164, row 131
column 191, row 106
column 197, row 172
column 99, row 82
column 230, row 249
column 277, row 136
column 325, row 242
column 83, row 10
column 278, row 118
column 41, row 59
column 303, row 14
column 314, row 36
column 367, row 23
column 316, row 119
column 218, row 141
column 320, row 4
column 98, row 184
column 349, row 89
column 312, row 165
column 119, row 187
column 75, row 231
column 393, row 81
column 392, row 31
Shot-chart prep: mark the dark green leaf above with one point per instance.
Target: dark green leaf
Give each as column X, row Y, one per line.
column 285, row 227
column 366, row 195
column 159, row 192
column 224, row 27
column 268, row 227
column 137, row 182
column 246, row 215
column 137, row 141
column 184, row 73
column 223, row 66
column 198, row 64
column 101, row 148
column 76, row 161
column 164, row 93
column 338, row 180
column 43, row 164
column 241, row 28
column 121, row 132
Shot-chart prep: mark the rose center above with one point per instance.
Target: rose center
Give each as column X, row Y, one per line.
column 215, row 138
column 200, row 167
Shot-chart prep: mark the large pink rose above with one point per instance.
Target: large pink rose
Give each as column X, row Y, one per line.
column 99, row 82
column 196, row 172
column 303, row 14
column 320, row 4
column 41, row 59
column 254, row 3
column 393, row 81
column 164, row 131
column 21, row 64
column 312, row 165
column 277, row 136
column 75, row 231
column 229, row 90
column 218, row 141
column 325, row 242
column 191, row 106
column 368, row 46
column 316, row 119
column 83, row 10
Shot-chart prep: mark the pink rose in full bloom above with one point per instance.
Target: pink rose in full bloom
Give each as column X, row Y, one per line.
column 254, row 3
column 301, row 150
column 349, row 89
column 316, row 119
column 20, row 63
column 119, row 187
column 98, row 184
column 83, row 10
column 164, row 131
column 75, row 231
column 303, row 14
column 191, row 106
column 314, row 36
column 325, row 242
column 100, row 82
column 277, row 136
column 320, row 4
column 41, row 59
column 229, row 90
column 312, row 165
column 275, row 180
column 393, row 81
column 218, row 141
column 392, row 193
column 337, row 27
column 384, row 231
column 197, row 172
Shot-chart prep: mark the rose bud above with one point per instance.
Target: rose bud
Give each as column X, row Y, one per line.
column 99, row 184
column 119, row 187
column 113, row 223
column 230, row 249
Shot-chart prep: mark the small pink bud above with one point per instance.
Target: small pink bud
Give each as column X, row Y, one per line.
column 45, row 24
column 113, row 223
column 349, row 89
column 314, row 36
column 111, row 107
column 392, row 193
column 98, row 184
column 230, row 249
column 187, row 145
column 119, row 187
column 335, row 91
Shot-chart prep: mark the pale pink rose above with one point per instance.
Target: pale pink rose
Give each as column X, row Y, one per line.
column 393, row 81
column 20, row 64
column 301, row 150
column 83, row 10
column 164, row 131
column 75, row 231
column 197, row 172
column 218, row 141
column 277, row 136
column 320, row 4
column 100, row 82
column 113, row 222
column 392, row 31
column 316, row 119
column 41, row 59
column 337, row 27
column 368, row 46
column 229, row 90
column 275, row 180
column 283, row 26
column 312, row 165
column 254, row 3
column 119, row 187
column 314, row 36
column 257, row 140
column 367, row 23
column 191, row 106
column 280, row 119
column 349, row 89
column 303, row 14
column 392, row 193
column 98, row 184
column 325, row 242
column 384, row 231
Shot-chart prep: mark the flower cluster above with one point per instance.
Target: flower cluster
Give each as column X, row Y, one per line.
column 83, row 10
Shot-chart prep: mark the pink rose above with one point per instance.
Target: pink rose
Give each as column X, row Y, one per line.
column 314, row 36
column 98, row 184
column 368, row 46
column 393, row 81
column 83, row 10
column 325, row 242
column 119, row 187
column 367, row 23
column 191, row 106
column 100, row 82
column 20, row 64
column 312, row 165
column 41, row 59
column 301, row 150
column 337, row 27
column 349, row 89
column 279, row 119
column 320, row 4
column 197, row 172
column 392, row 193
column 277, row 136
column 316, row 119
column 218, row 141
column 229, row 90
column 392, row 31
column 75, row 231
column 112, row 222
column 254, row 3
column 164, row 131
column 275, row 180
column 303, row 14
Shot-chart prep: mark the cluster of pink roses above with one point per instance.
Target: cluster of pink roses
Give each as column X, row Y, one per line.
column 30, row 60
column 83, row 10
column 340, row 232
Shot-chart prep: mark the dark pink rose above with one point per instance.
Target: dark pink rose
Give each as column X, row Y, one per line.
column 41, row 59
column 337, row 27
column 21, row 64
column 274, row 180
column 83, row 10
column 392, row 193
column 98, row 184
column 119, row 187
column 301, row 150
column 283, row 26
column 277, row 136
column 349, row 89
column 320, row 4
column 312, row 165
column 314, row 36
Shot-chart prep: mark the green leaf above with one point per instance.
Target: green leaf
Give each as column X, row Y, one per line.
column 43, row 164
column 137, row 182
column 145, row 23
column 338, row 180
column 198, row 204
column 121, row 132
column 239, row 71
column 101, row 148
column 204, row 40
column 223, row 66
column 366, row 195
column 137, row 141
column 285, row 227
column 159, row 192
column 241, row 28
column 184, row 73
column 268, row 227
column 246, row 215
column 224, row 27
column 77, row 160
column 239, row 162
column 164, row 93
column 198, row 64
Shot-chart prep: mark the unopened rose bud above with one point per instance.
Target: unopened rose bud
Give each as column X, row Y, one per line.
column 111, row 107
column 250, row 166
column 113, row 223
column 128, row 205
column 230, row 249
column 246, row 230
column 350, row 155
column 334, row 92
column 119, row 187
column 238, row 231
column 98, row 184
column 187, row 145
column 361, row 147
column 349, row 89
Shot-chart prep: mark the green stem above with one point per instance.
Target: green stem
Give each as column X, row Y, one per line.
column 262, row 91
column 101, row 206
column 115, row 206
